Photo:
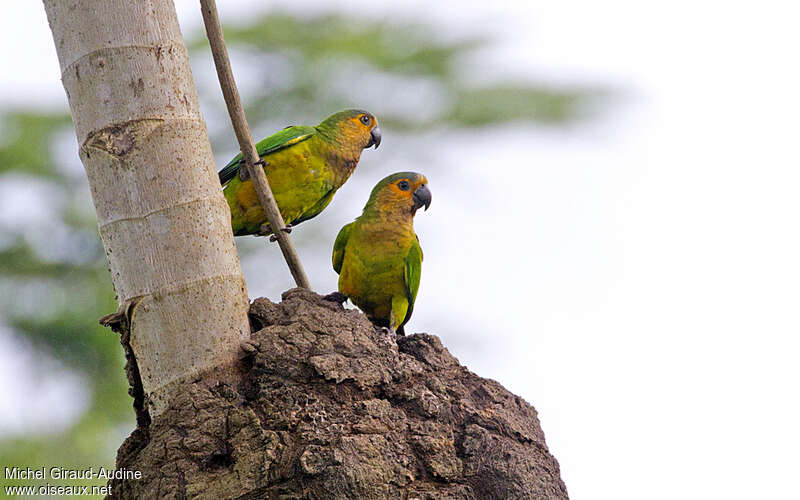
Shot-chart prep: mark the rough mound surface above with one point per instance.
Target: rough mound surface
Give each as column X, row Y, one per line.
column 332, row 408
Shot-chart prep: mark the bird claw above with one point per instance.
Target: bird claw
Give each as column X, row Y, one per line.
column 244, row 174
column 338, row 297
column 249, row 347
column 389, row 331
column 272, row 237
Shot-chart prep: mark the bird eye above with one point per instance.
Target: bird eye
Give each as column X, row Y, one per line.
column 403, row 185
column 365, row 119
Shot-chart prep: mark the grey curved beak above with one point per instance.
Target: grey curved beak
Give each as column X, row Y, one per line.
column 374, row 138
column 422, row 197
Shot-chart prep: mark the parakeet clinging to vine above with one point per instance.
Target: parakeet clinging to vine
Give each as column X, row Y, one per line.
column 304, row 166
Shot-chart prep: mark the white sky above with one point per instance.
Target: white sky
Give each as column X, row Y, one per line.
column 637, row 278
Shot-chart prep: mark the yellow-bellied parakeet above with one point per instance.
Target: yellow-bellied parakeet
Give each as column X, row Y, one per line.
column 304, row 166
column 378, row 256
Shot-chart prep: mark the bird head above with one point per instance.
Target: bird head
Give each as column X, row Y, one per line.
column 353, row 126
column 401, row 192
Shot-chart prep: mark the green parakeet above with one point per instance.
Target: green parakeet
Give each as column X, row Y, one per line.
column 378, row 256
column 304, row 166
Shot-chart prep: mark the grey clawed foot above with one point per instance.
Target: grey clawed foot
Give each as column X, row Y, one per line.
column 336, row 297
column 272, row 237
column 243, row 172
column 389, row 331
column 249, row 348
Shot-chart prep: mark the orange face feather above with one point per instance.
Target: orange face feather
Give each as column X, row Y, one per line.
column 401, row 193
column 355, row 128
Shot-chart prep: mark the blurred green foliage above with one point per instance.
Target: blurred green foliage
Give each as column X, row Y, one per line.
column 23, row 130
column 330, row 62
column 55, row 285
column 303, row 68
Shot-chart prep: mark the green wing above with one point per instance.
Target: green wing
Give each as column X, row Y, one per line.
column 412, row 275
column 283, row 139
column 339, row 246
column 317, row 208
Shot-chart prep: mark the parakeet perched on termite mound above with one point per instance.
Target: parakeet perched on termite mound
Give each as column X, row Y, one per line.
column 304, row 166
column 378, row 256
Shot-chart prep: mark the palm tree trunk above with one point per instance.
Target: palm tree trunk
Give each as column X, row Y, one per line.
column 164, row 223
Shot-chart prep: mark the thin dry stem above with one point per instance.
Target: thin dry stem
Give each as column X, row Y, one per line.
column 246, row 144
